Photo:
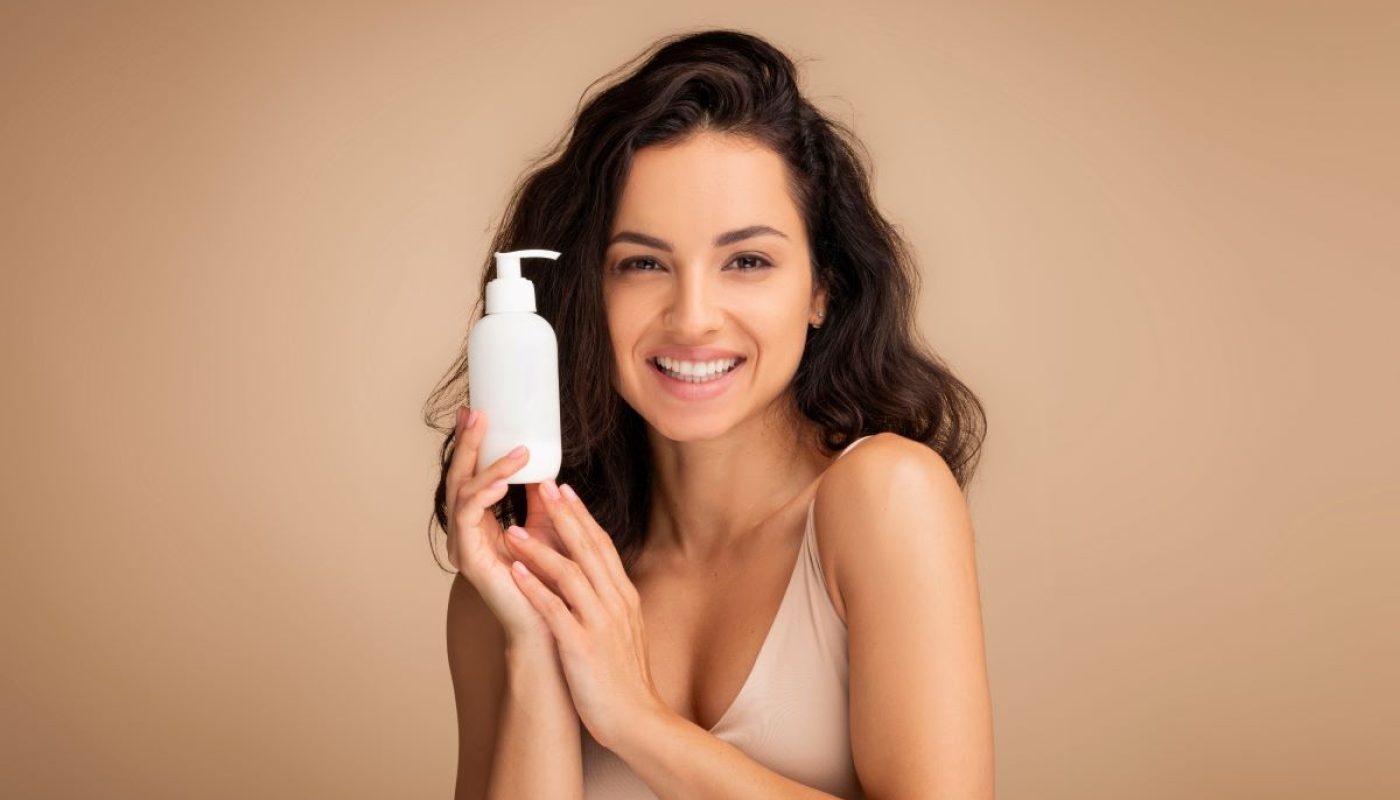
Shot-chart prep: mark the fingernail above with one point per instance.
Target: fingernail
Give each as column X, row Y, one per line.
column 551, row 489
column 519, row 567
column 517, row 452
column 498, row 484
column 569, row 490
column 471, row 417
column 518, row 532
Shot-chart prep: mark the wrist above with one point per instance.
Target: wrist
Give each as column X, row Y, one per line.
column 529, row 647
column 535, row 676
column 645, row 729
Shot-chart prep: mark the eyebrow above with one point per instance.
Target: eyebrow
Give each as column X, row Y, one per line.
column 720, row 241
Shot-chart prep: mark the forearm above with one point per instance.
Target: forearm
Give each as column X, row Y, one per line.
column 538, row 755
column 679, row 760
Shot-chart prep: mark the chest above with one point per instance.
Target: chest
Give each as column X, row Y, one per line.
column 705, row 628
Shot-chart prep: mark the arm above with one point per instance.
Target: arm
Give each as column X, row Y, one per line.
column 517, row 731
column 679, row 760
column 908, row 582
column 539, row 754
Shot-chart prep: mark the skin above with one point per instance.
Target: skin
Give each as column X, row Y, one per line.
column 732, row 479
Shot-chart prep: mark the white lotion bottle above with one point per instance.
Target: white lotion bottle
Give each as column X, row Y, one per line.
column 513, row 373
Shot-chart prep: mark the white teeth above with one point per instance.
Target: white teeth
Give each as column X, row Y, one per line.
column 695, row 371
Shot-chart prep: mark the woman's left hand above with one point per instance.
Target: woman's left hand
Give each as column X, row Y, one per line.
column 592, row 609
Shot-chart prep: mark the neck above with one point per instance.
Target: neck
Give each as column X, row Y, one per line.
column 709, row 497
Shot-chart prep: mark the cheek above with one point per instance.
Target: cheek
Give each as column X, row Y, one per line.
column 630, row 309
column 623, row 334
column 786, row 345
column 776, row 321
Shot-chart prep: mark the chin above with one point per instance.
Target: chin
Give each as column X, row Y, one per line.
column 690, row 430
column 682, row 425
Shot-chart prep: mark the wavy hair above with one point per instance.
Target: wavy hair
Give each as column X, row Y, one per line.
column 866, row 370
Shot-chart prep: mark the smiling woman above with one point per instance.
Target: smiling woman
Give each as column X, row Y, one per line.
column 720, row 602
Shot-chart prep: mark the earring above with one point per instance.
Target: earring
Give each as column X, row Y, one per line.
column 820, row 315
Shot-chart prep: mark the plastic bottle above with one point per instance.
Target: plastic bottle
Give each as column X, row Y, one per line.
column 513, row 373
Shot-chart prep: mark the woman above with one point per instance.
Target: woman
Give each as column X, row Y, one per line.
column 721, row 602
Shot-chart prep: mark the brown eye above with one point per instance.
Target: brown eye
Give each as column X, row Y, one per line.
column 635, row 264
column 757, row 262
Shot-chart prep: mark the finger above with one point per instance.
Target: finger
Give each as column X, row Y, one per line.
column 465, row 442
column 537, row 520
column 462, row 474
column 468, row 519
column 501, row 468
column 561, row 574
column 556, row 615
column 582, row 547
column 603, row 543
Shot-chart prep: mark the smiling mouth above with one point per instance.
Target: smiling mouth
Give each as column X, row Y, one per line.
column 701, row 377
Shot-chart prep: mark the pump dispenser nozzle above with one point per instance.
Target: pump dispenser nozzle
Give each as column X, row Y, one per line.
column 508, row 291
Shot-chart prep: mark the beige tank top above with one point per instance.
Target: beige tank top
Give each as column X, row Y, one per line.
column 791, row 714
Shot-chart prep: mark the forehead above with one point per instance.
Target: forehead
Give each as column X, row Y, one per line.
column 709, row 183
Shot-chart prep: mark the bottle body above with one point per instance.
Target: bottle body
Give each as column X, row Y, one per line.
column 513, row 376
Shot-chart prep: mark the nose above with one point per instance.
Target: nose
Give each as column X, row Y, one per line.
column 694, row 310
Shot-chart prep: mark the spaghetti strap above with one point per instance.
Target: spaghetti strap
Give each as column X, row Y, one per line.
column 812, row 553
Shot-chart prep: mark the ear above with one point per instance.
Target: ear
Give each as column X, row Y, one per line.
column 817, row 315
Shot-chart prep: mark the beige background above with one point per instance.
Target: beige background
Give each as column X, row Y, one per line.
column 239, row 244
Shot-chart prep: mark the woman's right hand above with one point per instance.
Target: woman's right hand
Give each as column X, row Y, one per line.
column 475, row 543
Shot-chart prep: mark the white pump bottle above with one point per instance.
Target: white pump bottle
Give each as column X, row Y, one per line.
column 513, row 373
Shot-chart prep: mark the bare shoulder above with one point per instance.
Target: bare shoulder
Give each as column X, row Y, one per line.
column 905, row 564
column 885, row 474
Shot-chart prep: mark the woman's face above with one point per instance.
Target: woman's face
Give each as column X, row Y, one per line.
column 707, row 269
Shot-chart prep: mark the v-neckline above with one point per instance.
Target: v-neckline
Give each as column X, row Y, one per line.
column 808, row 534
column 773, row 623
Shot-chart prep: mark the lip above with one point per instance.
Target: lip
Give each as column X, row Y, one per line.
column 693, row 353
column 694, row 391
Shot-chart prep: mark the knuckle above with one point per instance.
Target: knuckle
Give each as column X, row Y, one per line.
column 472, row 496
column 587, row 542
column 460, row 516
column 617, row 605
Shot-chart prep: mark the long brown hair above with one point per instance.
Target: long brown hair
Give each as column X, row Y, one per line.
column 866, row 370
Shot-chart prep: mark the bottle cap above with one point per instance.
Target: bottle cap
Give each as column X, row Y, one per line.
column 508, row 291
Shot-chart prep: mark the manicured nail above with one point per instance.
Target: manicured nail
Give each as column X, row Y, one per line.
column 551, row 490
column 517, row 452
column 497, row 484
column 519, row 567
column 569, row 491
column 518, row 532
column 471, row 417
